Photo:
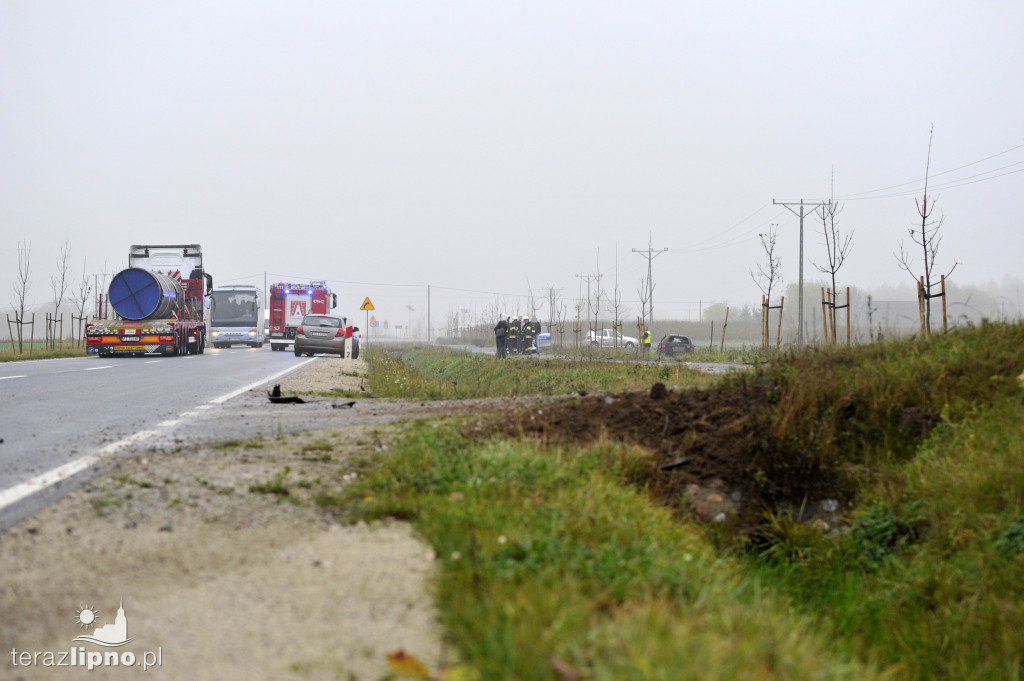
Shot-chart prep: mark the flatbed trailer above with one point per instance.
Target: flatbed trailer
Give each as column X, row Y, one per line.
column 152, row 336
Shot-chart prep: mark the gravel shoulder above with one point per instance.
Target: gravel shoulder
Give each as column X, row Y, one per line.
column 224, row 564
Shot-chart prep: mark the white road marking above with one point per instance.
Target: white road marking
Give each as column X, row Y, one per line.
column 95, row 368
column 168, row 424
column 153, row 361
column 14, row 494
column 3, row 377
column 235, row 393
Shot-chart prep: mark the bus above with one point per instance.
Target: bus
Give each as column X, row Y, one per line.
column 236, row 316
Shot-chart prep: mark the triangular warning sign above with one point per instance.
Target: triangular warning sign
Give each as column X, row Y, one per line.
column 367, row 305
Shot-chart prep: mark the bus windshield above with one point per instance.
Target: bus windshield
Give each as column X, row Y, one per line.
column 233, row 308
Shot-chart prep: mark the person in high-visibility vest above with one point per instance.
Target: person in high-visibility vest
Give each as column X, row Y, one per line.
column 646, row 341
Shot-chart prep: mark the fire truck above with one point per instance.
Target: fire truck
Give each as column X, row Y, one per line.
column 157, row 304
column 289, row 303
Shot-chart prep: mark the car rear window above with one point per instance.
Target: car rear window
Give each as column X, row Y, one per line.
column 332, row 322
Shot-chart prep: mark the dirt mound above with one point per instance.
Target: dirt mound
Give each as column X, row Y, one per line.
column 704, row 441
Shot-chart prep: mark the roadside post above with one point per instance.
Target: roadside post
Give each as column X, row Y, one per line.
column 367, row 307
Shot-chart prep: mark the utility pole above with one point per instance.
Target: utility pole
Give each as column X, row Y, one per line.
column 588, row 277
column 800, row 302
column 651, row 255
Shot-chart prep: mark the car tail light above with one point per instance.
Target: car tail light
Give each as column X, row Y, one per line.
column 341, row 333
column 299, row 330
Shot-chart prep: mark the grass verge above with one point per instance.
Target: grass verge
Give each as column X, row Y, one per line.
column 554, row 563
column 421, row 372
column 549, row 563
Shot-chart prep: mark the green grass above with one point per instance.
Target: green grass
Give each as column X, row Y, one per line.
column 548, row 555
column 874, row 404
column 931, row 575
column 424, row 372
column 275, row 485
column 38, row 350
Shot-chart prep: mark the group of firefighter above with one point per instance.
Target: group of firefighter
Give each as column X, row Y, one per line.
column 517, row 336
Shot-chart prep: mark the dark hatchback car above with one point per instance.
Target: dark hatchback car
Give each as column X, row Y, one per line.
column 324, row 333
column 673, row 345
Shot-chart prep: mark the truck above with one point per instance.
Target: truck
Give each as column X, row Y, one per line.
column 157, row 304
column 235, row 315
column 289, row 303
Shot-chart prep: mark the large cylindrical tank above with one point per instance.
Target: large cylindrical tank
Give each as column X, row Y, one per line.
column 138, row 294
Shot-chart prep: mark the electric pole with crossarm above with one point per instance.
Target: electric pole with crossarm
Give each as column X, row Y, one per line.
column 651, row 255
column 800, row 302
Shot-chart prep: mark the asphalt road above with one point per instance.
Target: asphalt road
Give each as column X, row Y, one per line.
column 62, row 420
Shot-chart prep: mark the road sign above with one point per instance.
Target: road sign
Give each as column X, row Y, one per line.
column 367, row 305
column 373, row 318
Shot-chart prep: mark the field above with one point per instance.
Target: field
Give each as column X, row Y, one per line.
column 846, row 514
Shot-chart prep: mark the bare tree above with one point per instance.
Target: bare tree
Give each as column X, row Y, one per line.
column 556, row 313
column 593, row 296
column 771, row 271
column 533, row 303
column 578, row 329
column 642, row 293
column 837, row 244
column 928, row 238
column 21, row 287
column 59, row 284
column 452, row 324
column 81, row 297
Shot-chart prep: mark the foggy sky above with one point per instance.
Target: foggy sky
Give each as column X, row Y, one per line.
column 487, row 149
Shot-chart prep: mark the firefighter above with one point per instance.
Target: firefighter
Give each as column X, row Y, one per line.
column 500, row 333
column 528, row 335
column 512, row 338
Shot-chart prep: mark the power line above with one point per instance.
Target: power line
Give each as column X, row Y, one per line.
column 855, row 195
column 951, row 184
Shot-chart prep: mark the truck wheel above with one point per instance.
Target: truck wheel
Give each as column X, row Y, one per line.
column 201, row 345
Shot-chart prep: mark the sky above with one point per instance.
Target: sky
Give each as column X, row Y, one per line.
column 493, row 150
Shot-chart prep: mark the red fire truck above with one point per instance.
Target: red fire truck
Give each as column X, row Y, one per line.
column 158, row 304
column 289, row 303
